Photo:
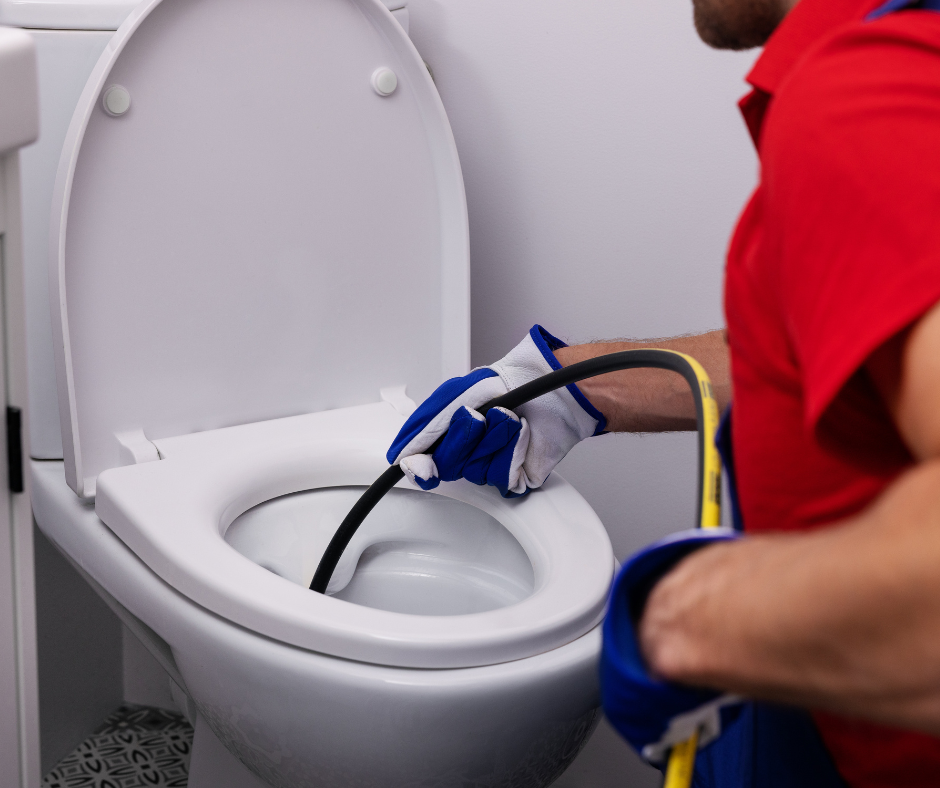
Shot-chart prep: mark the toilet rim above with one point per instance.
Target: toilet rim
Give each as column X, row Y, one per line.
column 173, row 514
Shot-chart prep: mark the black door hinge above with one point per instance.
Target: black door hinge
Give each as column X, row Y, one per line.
column 15, row 449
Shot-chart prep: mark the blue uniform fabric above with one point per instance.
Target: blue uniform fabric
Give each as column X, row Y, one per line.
column 900, row 5
column 723, row 444
column 761, row 745
column 638, row 705
column 767, row 746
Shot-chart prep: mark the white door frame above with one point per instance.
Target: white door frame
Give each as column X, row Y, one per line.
column 19, row 686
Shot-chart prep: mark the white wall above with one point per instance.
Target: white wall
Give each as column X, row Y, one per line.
column 80, row 655
column 605, row 164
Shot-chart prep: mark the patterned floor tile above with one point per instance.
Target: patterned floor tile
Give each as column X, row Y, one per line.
column 136, row 747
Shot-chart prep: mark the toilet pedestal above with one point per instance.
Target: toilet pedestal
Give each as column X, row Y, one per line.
column 212, row 766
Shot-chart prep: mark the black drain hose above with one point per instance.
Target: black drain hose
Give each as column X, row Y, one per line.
column 706, row 411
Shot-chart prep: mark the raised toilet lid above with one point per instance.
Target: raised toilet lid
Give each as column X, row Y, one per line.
column 249, row 223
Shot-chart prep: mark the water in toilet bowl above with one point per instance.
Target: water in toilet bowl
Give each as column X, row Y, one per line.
column 420, row 553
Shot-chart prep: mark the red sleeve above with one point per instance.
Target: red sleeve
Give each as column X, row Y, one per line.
column 851, row 176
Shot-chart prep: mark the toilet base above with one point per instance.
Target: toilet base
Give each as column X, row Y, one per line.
column 212, row 766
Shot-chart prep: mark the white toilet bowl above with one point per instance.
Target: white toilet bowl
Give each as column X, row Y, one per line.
column 515, row 706
column 259, row 224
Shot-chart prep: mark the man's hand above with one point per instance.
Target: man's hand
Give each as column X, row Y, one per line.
column 512, row 451
column 845, row 618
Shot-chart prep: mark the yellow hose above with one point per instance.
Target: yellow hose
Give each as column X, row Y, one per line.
column 682, row 756
column 681, row 763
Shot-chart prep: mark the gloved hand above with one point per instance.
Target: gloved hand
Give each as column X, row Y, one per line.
column 651, row 714
column 513, row 451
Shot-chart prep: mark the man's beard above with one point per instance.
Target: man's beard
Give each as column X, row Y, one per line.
column 737, row 24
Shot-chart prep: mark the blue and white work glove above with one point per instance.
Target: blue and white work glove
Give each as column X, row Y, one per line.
column 654, row 715
column 513, row 451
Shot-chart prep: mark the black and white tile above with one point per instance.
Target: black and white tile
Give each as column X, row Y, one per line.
column 136, row 747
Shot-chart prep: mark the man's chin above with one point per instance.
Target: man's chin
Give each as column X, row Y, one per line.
column 736, row 24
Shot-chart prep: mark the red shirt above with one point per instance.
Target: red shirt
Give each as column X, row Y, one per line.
column 837, row 250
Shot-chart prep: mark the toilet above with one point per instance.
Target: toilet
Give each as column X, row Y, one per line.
column 259, row 262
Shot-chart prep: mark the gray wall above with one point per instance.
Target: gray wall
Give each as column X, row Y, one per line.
column 80, row 655
column 605, row 164
column 88, row 661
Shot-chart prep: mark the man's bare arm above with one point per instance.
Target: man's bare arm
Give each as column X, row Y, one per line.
column 652, row 400
column 846, row 618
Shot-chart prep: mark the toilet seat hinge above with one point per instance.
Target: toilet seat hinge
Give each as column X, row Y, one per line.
column 398, row 399
column 134, row 448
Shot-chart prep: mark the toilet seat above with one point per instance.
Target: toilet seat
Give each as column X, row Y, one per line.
column 173, row 515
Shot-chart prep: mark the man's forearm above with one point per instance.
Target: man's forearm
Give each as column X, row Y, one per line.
column 850, row 621
column 653, row 400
